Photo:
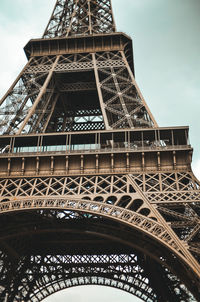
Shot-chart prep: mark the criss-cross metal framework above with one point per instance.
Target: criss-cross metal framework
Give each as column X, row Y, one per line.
column 80, row 17
column 36, row 102
column 92, row 191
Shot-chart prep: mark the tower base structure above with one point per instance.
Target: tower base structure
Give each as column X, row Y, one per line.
column 121, row 214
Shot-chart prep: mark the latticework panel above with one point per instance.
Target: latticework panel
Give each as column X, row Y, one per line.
column 74, row 93
column 123, row 104
column 126, row 230
column 177, row 197
column 48, row 259
column 115, row 270
column 28, row 96
column 161, row 188
column 131, row 199
column 80, row 17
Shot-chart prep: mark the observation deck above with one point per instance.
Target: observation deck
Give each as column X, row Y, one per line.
column 104, row 151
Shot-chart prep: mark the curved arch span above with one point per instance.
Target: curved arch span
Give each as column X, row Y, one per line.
column 60, row 285
column 53, row 268
column 136, row 220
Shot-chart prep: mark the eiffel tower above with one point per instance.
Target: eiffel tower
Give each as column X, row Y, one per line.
column 92, row 191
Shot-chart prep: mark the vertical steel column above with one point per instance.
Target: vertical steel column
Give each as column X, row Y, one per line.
column 42, row 91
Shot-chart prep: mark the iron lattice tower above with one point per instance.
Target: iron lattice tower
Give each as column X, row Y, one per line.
column 92, row 191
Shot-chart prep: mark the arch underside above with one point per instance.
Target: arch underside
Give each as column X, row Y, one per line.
column 47, row 251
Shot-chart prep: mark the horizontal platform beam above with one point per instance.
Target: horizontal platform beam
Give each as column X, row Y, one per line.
column 81, row 44
column 62, row 163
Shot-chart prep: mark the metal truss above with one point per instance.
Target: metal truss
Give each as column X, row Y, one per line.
column 158, row 187
column 23, row 97
column 127, row 198
column 36, row 102
column 119, row 271
column 119, row 208
column 80, row 17
column 122, row 101
column 41, row 274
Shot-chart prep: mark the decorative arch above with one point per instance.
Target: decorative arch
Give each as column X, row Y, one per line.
column 136, row 220
column 129, row 208
column 139, row 221
column 123, row 270
column 146, row 295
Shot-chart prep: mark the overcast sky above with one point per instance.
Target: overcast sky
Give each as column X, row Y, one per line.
column 166, row 44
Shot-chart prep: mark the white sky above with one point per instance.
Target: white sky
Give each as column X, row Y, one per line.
column 166, row 44
column 92, row 294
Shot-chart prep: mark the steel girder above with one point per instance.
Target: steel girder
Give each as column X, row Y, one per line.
column 80, row 17
column 120, row 229
column 139, row 201
column 47, row 94
column 54, row 250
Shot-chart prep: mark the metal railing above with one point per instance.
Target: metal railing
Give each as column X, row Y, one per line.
column 63, row 149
